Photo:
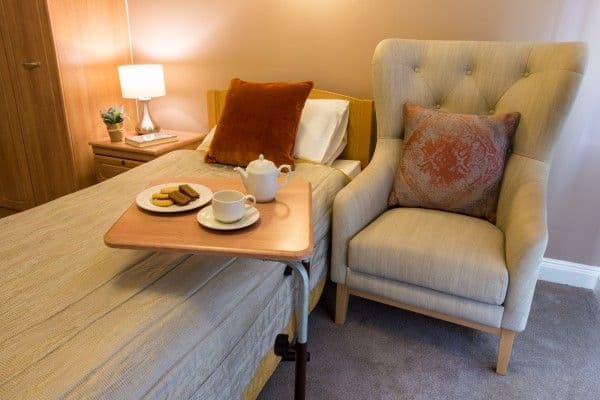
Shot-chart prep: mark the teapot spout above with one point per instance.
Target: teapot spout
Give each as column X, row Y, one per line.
column 242, row 172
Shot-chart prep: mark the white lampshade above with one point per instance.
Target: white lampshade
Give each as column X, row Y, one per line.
column 142, row 81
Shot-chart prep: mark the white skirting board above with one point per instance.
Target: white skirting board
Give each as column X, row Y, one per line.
column 569, row 273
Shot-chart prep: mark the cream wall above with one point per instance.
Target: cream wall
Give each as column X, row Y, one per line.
column 204, row 43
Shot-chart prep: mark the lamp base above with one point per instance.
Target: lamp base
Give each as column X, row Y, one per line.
column 146, row 124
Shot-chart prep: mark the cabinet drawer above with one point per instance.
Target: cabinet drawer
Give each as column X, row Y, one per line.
column 107, row 167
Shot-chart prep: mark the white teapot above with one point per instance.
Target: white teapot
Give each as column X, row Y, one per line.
column 260, row 178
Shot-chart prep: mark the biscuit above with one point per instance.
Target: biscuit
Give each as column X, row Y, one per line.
column 160, row 196
column 169, row 189
column 188, row 191
column 179, row 198
column 162, row 202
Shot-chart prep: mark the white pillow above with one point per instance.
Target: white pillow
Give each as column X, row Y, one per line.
column 322, row 131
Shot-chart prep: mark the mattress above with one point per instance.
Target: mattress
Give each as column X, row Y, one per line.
column 81, row 320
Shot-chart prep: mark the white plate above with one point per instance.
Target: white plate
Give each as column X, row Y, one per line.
column 206, row 218
column 144, row 199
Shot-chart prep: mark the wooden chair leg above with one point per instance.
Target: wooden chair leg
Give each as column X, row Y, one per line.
column 507, row 337
column 341, row 303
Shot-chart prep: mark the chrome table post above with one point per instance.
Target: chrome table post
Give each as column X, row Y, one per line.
column 298, row 352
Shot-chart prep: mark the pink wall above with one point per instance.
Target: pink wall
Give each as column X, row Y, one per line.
column 204, row 43
column 573, row 212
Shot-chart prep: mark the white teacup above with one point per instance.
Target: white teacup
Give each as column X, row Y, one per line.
column 230, row 205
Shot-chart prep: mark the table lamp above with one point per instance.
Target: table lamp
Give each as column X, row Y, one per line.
column 142, row 82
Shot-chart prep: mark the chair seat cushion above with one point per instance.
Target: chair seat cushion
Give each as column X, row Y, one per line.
column 450, row 253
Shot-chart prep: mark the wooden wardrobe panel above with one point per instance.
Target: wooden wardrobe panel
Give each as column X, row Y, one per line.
column 15, row 185
column 43, row 123
column 92, row 40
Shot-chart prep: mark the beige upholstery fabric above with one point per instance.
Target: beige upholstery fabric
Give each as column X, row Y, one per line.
column 522, row 218
column 537, row 80
column 364, row 200
column 447, row 252
column 417, row 296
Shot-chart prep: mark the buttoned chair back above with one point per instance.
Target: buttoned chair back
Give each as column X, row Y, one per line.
column 537, row 80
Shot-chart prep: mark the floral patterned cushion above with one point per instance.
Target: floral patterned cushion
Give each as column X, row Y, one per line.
column 453, row 162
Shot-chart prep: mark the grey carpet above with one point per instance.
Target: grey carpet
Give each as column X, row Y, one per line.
column 386, row 353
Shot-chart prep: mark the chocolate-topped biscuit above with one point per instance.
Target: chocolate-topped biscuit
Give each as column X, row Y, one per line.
column 188, row 191
column 179, row 198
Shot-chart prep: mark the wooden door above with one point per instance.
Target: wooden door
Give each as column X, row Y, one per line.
column 91, row 41
column 26, row 30
column 15, row 184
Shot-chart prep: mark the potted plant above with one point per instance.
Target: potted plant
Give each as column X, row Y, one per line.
column 113, row 117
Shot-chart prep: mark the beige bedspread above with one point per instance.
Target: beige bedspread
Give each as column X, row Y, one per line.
column 81, row 320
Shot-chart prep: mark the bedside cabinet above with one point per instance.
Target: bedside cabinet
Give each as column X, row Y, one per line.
column 113, row 158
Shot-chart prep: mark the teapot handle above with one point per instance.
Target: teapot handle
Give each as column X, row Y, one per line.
column 287, row 174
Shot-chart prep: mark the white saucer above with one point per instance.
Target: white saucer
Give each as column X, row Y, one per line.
column 206, row 218
column 144, row 199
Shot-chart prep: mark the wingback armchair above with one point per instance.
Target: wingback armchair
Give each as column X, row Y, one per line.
column 450, row 266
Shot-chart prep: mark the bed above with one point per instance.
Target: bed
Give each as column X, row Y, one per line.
column 81, row 320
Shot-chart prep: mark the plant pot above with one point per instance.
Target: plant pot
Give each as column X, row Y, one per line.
column 116, row 132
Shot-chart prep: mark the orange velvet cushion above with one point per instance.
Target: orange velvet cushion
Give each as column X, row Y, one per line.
column 453, row 162
column 259, row 118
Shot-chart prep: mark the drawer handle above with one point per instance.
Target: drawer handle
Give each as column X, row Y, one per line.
column 123, row 162
column 32, row 65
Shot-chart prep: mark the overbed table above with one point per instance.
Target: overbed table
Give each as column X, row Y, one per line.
column 283, row 233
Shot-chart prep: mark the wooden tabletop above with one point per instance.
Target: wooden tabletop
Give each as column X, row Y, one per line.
column 283, row 232
column 183, row 139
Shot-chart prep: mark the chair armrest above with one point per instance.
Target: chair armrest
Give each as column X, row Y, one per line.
column 361, row 201
column 522, row 218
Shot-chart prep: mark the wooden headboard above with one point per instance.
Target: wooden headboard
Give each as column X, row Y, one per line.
column 361, row 121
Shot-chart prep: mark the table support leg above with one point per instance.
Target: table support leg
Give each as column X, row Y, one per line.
column 300, row 377
column 302, row 339
column 299, row 352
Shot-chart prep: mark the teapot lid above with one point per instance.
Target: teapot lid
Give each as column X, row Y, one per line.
column 261, row 166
